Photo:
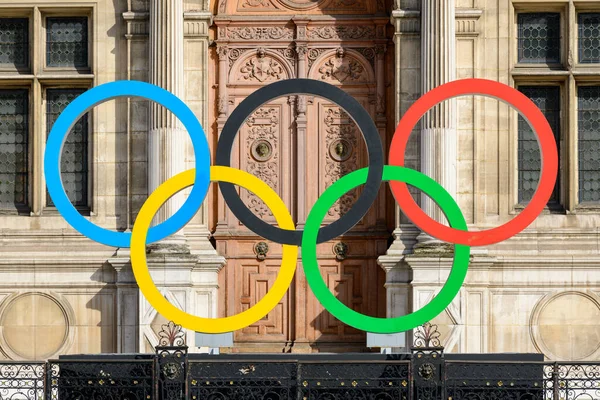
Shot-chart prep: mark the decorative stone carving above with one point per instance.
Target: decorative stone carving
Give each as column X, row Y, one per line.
column 300, row 5
column 262, row 68
column 289, row 54
column 343, row 32
column 301, row 32
column 340, row 250
column 263, row 155
column 313, row 54
column 346, row 4
column 222, row 105
column 342, row 68
column 256, row 3
column 260, row 33
column 341, row 137
column 368, row 53
column 301, row 50
column 235, row 54
column 380, row 104
column 301, row 104
column 223, row 52
column 261, row 249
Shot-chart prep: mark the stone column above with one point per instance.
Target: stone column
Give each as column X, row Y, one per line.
column 223, row 114
column 438, row 126
column 167, row 138
column 301, row 127
column 187, row 277
column 438, row 142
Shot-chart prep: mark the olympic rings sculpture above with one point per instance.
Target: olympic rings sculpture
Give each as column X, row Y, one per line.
column 286, row 234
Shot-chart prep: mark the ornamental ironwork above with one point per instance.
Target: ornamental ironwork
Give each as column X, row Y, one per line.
column 171, row 335
column 427, row 336
column 425, row 374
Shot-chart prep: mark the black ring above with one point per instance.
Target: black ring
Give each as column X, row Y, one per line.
column 352, row 107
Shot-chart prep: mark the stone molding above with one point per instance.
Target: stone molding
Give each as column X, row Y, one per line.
column 409, row 21
column 196, row 24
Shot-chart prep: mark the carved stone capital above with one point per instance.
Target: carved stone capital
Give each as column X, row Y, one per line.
column 223, row 52
column 301, row 50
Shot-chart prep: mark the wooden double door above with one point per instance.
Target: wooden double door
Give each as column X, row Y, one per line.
column 300, row 145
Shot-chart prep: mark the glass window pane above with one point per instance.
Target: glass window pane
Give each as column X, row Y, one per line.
column 14, row 42
column 547, row 98
column 589, row 38
column 539, row 38
column 74, row 159
column 589, row 143
column 67, row 42
column 14, row 135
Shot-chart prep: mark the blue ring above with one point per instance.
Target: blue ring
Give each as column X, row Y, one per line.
column 86, row 102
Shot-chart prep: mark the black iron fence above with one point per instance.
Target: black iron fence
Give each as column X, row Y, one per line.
column 173, row 374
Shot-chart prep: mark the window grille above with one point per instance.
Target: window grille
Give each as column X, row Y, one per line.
column 14, row 132
column 589, row 143
column 547, row 99
column 67, row 42
column 74, row 159
column 589, row 38
column 14, row 42
column 539, row 38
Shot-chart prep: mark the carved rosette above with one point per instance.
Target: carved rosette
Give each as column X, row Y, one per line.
column 341, row 138
column 313, row 54
column 262, row 159
column 235, row 54
column 289, row 53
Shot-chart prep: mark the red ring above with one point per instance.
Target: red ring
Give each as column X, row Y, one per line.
column 549, row 159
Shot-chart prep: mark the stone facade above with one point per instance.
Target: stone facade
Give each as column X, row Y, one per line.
column 61, row 293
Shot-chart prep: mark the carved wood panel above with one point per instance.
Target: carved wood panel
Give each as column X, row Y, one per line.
column 251, row 270
column 263, row 149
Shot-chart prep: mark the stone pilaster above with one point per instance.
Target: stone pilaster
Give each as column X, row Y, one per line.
column 167, row 138
column 128, row 296
column 435, row 24
column 186, row 273
column 438, row 126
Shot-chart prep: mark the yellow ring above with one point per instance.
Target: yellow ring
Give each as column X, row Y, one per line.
column 189, row 321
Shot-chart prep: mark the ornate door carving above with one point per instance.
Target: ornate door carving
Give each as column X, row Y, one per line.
column 300, row 145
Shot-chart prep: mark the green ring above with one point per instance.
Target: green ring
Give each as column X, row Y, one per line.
column 365, row 322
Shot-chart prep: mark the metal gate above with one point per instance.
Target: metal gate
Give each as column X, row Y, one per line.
column 173, row 374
